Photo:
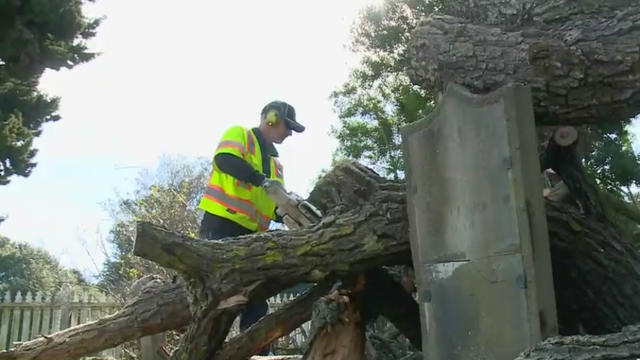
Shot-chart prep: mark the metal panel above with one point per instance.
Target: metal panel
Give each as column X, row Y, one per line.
column 476, row 219
column 483, row 299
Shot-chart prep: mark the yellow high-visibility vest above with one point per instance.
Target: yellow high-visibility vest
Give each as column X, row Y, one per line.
column 238, row 201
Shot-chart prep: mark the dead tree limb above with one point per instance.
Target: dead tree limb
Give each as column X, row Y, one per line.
column 373, row 235
column 272, row 326
column 158, row 309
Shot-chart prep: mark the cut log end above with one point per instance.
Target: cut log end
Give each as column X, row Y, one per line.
column 565, row 135
column 338, row 329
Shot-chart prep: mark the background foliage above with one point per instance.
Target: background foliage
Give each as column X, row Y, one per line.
column 26, row 268
column 167, row 196
column 35, row 35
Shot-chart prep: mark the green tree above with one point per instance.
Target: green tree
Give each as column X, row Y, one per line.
column 378, row 99
column 167, row 196
column 26, row 268
column 35, row 35
column 612, row 161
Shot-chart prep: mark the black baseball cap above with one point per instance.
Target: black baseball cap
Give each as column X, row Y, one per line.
column 287, row 112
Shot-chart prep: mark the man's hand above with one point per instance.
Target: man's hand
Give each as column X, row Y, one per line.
column 275, row 190
column 269, row 184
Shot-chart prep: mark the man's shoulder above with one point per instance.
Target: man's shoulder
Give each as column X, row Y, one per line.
column 237, row 127
column 236, row 131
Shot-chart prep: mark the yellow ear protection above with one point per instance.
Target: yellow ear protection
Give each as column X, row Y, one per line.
column 274, row 115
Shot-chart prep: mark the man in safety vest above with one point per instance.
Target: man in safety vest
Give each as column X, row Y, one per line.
column 235, row 202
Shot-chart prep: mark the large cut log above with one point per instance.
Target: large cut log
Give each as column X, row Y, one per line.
column 595, row 273
column 581, row 58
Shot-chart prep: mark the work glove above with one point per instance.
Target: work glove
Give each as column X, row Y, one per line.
column 270, row 184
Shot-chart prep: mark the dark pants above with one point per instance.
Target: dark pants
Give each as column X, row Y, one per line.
column 215, row 227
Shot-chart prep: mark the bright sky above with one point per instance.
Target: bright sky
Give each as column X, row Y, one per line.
column 171, row 78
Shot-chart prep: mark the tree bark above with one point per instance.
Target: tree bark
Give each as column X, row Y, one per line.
column 622, row 345
column 373, row 235
column 337, row 327
column 581, row 58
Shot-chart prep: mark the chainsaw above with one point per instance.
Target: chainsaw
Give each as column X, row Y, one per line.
column 296, row 212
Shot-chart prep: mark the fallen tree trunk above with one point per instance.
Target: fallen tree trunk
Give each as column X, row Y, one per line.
column 596, row 274
column 372, row 235
column 581, row 58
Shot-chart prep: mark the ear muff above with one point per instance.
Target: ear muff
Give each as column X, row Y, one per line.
column 273, row 116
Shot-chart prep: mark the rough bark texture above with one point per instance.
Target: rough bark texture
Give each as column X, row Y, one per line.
column 159, row 308
column 581, row 58
column 622, row 345
column 373, row 235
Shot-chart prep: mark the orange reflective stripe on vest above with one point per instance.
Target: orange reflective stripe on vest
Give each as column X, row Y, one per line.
column 231, row 144
column 278, row 168
column 251, row 145
column 217, row 194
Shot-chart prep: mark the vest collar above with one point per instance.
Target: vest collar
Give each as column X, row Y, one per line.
column 268, row 149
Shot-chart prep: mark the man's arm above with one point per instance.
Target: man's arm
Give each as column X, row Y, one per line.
column 238, row 168
column 241, row 170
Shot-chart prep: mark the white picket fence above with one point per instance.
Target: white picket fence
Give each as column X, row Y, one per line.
column 28, row 316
